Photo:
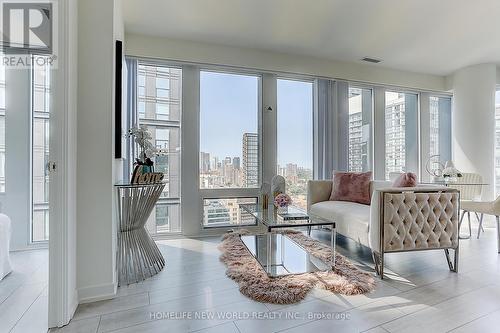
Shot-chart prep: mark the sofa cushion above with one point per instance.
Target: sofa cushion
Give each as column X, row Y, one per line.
column 351, row 219
column 351, row 186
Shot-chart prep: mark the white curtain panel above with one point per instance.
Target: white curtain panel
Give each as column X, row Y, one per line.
column 130, row 112
column 331, row 121
column 5, row 232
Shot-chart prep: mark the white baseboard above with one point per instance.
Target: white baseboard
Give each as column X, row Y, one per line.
column 97, row 293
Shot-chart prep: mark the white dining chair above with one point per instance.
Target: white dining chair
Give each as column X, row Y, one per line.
column 469, row 194
column 485, row 207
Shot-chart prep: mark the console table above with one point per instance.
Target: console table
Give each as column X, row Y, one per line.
column 138, row 257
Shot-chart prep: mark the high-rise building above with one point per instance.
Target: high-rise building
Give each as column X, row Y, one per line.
column 204, row 162
column 214, row 163
column 434, row 125
column 395, row 149
column 236, row 163
column 355, row 131
column 291, row 172
column 250, row 160
column 360, row 101
column 225, row 211
column 159, row 109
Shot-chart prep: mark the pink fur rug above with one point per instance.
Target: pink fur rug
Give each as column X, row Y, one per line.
column 253, row 281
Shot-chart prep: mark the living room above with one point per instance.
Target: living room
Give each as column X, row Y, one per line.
column 242, row 166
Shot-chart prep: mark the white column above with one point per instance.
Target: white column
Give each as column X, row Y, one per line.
column 474, row 122
column 191, row 207
column 268, row 125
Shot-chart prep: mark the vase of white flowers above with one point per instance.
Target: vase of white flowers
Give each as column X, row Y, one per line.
column 143, row 164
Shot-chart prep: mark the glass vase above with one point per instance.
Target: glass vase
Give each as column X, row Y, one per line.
column 282, row 210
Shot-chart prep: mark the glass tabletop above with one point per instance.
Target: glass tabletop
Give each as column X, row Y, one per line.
column 295, row 217
column 279, row 255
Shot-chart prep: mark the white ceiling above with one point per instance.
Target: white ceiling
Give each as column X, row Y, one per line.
column 427, row 36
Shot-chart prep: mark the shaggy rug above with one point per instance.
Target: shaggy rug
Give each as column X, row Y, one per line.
column 254, row 282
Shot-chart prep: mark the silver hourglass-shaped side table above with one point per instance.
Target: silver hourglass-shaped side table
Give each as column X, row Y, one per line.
column 138, row 257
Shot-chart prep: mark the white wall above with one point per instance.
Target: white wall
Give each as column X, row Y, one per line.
column 96, row 175
column 474, row 122
column 163, row 48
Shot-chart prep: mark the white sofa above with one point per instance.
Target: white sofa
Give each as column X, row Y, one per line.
column 397, row 220
column 5, row 231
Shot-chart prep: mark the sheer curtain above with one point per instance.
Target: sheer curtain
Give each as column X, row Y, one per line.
column 331, row 125
column 130, row 113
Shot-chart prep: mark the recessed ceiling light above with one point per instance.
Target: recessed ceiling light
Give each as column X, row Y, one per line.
column 372, row 60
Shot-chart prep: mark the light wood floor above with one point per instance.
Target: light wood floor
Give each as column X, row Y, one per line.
column 23, row 293
column 420, row 295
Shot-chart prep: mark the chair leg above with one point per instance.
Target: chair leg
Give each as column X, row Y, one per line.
column 479, row 219
column 461, row 219
column 378, row 259
column 498, row 233
column 453, row 266
column 480, row 226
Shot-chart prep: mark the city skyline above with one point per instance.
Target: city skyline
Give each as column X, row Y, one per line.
column 235, row 99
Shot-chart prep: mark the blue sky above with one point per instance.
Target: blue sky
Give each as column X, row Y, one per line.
column 229, row 105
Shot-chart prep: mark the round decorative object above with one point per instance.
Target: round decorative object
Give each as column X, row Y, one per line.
column 282, row 200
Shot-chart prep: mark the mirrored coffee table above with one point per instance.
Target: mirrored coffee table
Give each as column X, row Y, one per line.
column 277, row 253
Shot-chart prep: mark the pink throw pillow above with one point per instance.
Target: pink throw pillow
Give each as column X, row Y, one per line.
column 351, row 186
column 408, row 179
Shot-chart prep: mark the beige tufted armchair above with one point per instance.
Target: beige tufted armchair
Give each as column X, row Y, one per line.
column 415, row 219
column 397, row 219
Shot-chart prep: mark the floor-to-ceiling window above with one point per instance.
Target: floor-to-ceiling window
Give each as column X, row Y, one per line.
column 40, row 151
column 360, row 142
column 159, row 90
column 229, row 144
column 440, row 127
column 295, row 137
column 401, row 126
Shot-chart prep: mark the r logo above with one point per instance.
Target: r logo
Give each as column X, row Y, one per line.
column 27, row 27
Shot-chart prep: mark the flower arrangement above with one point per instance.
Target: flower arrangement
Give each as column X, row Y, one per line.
column 282, row 200
column 143, row 164
column 143, row 139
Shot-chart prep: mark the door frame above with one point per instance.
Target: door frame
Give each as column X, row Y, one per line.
column 62, row 295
